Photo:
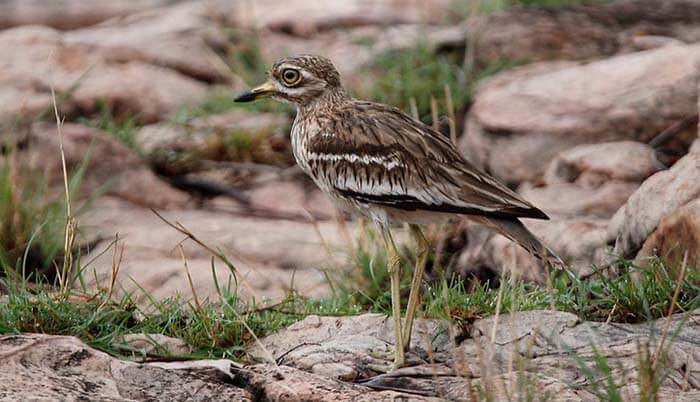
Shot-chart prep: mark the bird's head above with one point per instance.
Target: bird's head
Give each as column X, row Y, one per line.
column 300, row 80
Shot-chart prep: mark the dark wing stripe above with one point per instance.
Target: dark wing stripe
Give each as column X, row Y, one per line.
column 410, row 203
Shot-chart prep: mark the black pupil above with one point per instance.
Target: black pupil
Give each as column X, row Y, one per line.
column 290, row 75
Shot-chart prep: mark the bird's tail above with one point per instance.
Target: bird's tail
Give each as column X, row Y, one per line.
column 516, row 231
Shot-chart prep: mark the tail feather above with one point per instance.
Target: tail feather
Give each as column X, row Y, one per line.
column 516, row 231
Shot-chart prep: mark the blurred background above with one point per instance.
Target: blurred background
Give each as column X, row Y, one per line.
column 587, row 108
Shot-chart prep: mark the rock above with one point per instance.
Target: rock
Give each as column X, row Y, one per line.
column 180, row 36
column 581, row 242
column 316, row 16
column 658, row 197
column 67, row 14
column 570, row 200
column 198, row 132
column 273, row 253
column 583, row 31
column 299, row 198
column 44, row 367
column 147, row 345
column 287, row 384
column 628, row 97
column 112, row 167
column 38, row 58
column 533, row 34
column 344, row 347
column 592, row 164
column 676, row 234
column 527, row 353
column 539, row 346
column 592, row 180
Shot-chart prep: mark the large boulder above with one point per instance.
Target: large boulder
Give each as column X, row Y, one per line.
column 582, row 242
column 110, row 166
column 44, row 367
column 658, row 198
column 179, row 36
column 530, row 353
column 677, row 234
column 37, row 59
column 592, row 180
column 67, row 14
column 592, row 164
column 522, row 119
column 274, row 250
column 345, row 347
column 584, row 31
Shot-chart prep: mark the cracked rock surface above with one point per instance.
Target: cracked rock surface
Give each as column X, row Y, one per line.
column 541, row 353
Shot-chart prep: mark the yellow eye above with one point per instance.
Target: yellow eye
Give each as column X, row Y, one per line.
column 291, row 76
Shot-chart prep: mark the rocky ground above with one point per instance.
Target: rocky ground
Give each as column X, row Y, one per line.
column 597, row 125
column 333, row 359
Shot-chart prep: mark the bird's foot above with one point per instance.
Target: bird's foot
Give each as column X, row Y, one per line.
column 385, row 361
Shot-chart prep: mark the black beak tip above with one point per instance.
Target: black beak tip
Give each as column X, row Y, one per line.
column 245, row 97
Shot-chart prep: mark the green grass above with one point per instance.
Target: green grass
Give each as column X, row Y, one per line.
column 418, row 74
column 544, row 3
column 32, row 219
column 225, row 328
column 638, row 294
column 122, row 127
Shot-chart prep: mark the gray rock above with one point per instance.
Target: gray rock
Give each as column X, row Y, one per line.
column 540, row 353
column 521, row 120
column 676, row 234
column 272, row 255
column 43, row 367
column 344, row 347
column 112, row 167
column 179, row 37
column 67, row 14
column 287, row 384
column 658, row 197
column 150, row 345
column 39, row 58
column 592, row 164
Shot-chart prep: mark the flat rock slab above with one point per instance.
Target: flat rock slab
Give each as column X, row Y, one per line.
column 43, row 367
column 346, row 347
column 39, row 58
column 659, row 197
column 534, row 352
column 287, row 384
column 552, row 107
column 537, row 353
column 272, row 257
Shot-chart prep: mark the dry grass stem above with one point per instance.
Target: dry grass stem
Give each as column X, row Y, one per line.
column 434, row 113
column 451, row 115
column 69, row 239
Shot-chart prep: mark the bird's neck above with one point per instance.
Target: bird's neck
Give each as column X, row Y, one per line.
column 328, row 100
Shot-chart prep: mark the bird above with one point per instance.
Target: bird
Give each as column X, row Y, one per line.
column 378, row 162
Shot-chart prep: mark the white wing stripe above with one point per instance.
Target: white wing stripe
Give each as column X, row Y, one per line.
column 389, row 162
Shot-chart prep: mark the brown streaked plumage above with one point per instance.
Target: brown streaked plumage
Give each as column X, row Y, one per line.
column 377, row 161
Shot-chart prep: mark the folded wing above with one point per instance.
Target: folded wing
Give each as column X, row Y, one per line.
column 382, row 156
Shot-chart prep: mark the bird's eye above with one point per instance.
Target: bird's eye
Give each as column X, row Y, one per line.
column 291, row 76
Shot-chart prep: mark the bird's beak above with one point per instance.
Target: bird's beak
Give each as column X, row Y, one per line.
column 261, row 91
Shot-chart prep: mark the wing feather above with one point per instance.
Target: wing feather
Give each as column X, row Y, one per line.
column 377, row 154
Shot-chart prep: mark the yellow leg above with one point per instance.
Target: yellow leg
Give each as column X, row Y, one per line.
column 393, row 266
column 414, row 296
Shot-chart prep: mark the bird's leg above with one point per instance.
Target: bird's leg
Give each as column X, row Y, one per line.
column 393, row 267
column 414, row 297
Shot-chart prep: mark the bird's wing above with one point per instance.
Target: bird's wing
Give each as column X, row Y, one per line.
column 379, row 155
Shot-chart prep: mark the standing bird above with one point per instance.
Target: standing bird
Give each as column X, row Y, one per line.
column 377, row 161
